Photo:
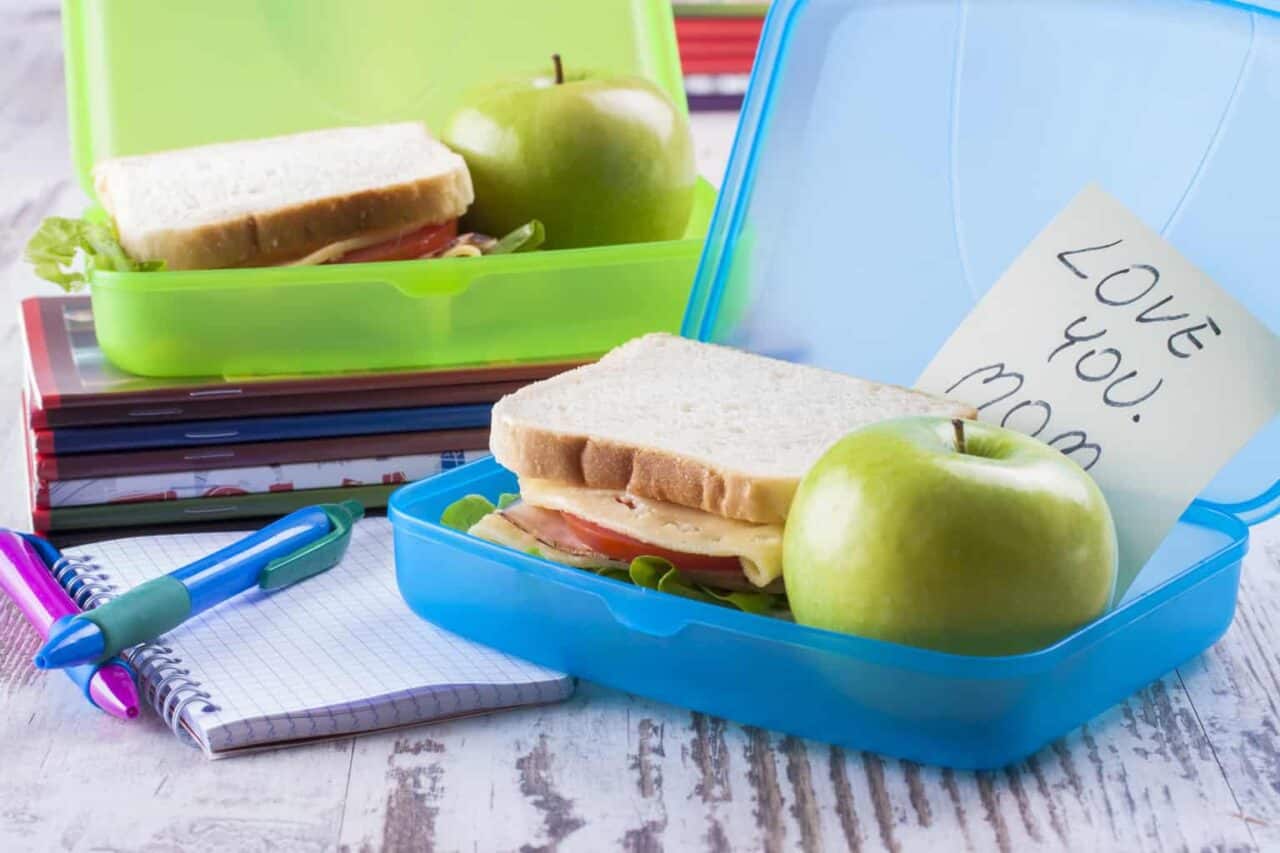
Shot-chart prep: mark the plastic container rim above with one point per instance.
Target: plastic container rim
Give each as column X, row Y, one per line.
column 296, row 276
column 925, row 661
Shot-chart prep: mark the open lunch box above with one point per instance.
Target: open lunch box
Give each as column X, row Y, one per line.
column 149, row 76
column 892, row 158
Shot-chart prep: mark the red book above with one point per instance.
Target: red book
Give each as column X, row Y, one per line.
column 72, row 384
column 51, row 466
column 717, row 49
column 718, row 65
column 746, row 26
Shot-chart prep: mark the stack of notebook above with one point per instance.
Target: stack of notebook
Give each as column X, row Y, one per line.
column 109, row 450
column 717, row 43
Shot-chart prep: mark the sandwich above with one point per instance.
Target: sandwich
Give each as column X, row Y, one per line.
column 343, row 195
column 673, row 463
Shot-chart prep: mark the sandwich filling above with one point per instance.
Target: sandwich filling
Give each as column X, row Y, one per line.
column 420, row 241
column 604, row 527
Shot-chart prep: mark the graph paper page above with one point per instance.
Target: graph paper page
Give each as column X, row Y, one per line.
column 337, row 653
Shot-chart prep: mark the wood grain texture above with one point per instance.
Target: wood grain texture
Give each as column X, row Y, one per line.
column 1192, row 762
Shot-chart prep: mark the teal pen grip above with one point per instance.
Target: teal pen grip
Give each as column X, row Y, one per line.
column 149, row 610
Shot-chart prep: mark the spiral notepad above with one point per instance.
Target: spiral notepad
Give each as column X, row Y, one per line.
column 337, row 654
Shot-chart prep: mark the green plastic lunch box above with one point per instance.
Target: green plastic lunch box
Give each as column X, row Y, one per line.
column 148, row 75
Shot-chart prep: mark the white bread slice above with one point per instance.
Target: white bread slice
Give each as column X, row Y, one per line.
column 695, row 424
column 269, row 201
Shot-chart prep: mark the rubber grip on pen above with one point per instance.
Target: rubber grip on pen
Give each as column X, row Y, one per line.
column 144, row 613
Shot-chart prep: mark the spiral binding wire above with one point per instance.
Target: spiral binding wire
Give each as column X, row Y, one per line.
column 166, row 684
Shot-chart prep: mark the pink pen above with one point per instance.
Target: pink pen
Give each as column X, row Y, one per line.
column 28, row 581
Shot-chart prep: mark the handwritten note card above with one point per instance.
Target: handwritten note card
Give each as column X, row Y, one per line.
column 1104, row 342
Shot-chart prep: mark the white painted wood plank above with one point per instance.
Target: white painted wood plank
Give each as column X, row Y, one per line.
column 79, row 780
column 1235, row 688
column 609, row 771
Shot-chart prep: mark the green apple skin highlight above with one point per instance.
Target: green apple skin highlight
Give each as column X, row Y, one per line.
column 599, row 160
column 895, row 535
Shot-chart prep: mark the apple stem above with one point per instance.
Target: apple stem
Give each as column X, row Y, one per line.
column 958, row 425
column 555, row 57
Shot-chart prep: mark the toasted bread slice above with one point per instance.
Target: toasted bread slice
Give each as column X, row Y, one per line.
column 695, row 424
column 271, row 201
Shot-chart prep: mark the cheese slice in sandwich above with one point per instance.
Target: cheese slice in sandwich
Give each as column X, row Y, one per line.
column 302, row 198
column 690, row 450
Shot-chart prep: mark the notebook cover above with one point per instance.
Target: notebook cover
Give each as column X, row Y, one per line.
column 51, row 467
column 92, row 439
column 260, row 479
column 116, row 516
column 74, row 385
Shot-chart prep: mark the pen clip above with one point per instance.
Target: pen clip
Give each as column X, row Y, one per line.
column 319, row 556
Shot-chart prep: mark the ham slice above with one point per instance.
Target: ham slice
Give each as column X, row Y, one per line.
column 549, row 527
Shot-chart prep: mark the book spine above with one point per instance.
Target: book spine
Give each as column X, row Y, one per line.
column 103, row 517
column 166, row 685
column 179, row 485
column 37, row 367
column 113, row 413
column 125, row 463
column 95, row 439
column 718, row 65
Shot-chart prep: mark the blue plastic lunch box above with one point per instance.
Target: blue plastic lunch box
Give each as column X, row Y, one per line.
column 892, row 158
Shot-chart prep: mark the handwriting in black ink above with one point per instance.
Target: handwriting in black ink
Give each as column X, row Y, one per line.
column 1109, row 398
column 998, row 373
column 1190, row 333
column 1042, row 406
column 1108, row 300
column 1072, row 338
column 1062, row 256
column 1072, row 442
column 1082, row 443
column 1167, row 318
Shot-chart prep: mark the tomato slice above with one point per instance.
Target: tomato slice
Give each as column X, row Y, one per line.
column 619, row 546
column 416, row 244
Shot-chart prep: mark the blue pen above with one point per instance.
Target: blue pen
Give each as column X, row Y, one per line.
column 303, row 543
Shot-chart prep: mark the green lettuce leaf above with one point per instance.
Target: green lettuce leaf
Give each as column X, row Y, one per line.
column 657, row 573
column 749, row 602
column 463, row 513
column 526, row 238
column 65, row 251
column 649, row 571
column 673, row 583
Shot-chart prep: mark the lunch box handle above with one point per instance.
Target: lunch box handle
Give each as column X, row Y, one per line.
column 646, row 616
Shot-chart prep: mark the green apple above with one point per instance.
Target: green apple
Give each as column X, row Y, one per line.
column 599, row 160
column 951, row 535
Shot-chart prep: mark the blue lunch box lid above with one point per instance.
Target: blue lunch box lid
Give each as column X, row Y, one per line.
column 894, row 156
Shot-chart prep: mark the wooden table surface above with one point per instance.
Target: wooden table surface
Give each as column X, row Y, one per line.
column 1191, row 762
